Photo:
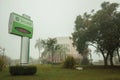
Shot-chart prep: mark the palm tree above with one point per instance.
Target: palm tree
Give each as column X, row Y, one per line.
column 50, row 45
column 62, row 51
column 39, row 45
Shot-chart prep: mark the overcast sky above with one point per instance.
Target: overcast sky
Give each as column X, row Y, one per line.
column 51, row 18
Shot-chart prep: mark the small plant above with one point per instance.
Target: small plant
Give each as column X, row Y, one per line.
column 22, row 70
column 69, row 62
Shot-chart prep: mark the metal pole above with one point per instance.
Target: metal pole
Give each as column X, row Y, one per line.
column 24, row 57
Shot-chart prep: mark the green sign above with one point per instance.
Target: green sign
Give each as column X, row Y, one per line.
column 20, row 25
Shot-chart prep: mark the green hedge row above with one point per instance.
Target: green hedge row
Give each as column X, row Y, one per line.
column 22, row 70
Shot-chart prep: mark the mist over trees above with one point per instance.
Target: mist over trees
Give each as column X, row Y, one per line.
column 50, row 49
column 101, row 28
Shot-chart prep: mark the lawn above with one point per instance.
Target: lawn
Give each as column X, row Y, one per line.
column 49, row 72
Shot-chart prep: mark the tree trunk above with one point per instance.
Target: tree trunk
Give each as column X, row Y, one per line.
column 85, row 60
column 60, row 57
column 52, row 57
column 39, row 56
column 118, row 54
column 111, row 59
column 105, row 60
column 104, row 57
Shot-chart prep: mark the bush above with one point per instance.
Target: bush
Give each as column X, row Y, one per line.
column 22, row 70
column 69, row 62
column 2, row 63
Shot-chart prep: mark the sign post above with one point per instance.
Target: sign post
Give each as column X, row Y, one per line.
column 24, row 57
column 22, row 26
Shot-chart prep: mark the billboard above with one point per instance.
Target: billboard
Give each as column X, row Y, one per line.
column 20, row 25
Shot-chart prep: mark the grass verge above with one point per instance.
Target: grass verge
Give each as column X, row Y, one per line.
column 55, row 72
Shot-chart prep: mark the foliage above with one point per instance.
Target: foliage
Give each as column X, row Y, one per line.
column 52, row 51
column 108, row 29
column 79, row 36
column 2, row 63
column 22, row 70
column 101, row 28
column 51, row 46
column 69, row 62
column 59, row 54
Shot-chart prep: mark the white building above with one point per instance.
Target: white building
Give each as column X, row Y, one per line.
column 67, row 42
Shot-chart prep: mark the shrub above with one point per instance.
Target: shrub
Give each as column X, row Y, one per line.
column 2, row 63
column 69, row 62
column 22, row 70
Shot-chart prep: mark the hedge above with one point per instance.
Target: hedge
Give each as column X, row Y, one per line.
column 22, row 70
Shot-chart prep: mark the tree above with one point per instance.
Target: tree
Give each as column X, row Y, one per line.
column 61, row 51
column 79, row 35
column 101, row 28
column 51, row 46
column 52, row 49
column 108, row 29
column 39, row 44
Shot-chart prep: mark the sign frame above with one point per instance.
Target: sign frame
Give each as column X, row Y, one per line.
column 20, row 25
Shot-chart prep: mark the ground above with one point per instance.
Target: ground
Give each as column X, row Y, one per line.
column 53, row 72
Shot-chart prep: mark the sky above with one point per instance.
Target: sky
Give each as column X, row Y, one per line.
column 51, row 18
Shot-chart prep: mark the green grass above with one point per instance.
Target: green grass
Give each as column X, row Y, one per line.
column 48, row 72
